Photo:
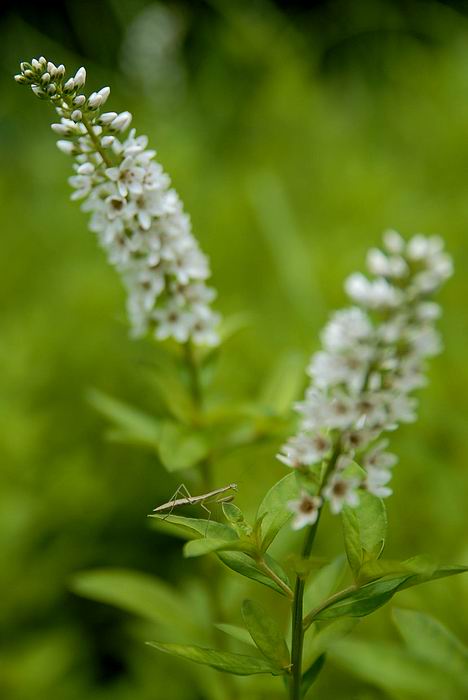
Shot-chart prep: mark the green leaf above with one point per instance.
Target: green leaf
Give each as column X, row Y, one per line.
column 180, row 447
column 137, row 593
column 193, row 528
column 324, row 583
column 238, row 664
column 363, row 600
column 265, row 633
column 197, row 548
column 131, row 424
column 364, row 530
column 320, row 641
column 274, row 510
column 385, row 568
column 310, row 676
column 244, row 565
column 428, row 639
column 236, row 632
column 284, row 384
column 391, row 668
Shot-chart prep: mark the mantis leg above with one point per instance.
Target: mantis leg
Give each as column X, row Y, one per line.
column 182, row 489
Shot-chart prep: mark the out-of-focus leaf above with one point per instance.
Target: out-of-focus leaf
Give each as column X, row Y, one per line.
column 237, row 664
column 131, row 425
column 180, row 447
column 236, row 632
column 137, row 593
column 274, row 510
column 310, row 676
column 265, row 633
column 364, row 530
column 428, row 639
column 319, row 642
column 391, row 668
column 193, row 528
column 284, row 384
column 174, row 394
column 197, row 548
column 244, row 565
column 324, row 583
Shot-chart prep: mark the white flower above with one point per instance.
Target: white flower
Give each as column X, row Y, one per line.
column 341, row 491
column 306, row 509
column 373, row 357
column 136, row 215
column 376, row 482
column 304, row 450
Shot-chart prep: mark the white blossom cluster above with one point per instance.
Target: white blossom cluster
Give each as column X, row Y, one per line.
column 372, row 359
column 137, row 216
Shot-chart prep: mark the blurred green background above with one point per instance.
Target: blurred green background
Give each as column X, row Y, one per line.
column 295, row 133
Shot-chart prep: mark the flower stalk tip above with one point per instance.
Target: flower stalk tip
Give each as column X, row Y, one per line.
column 137, row 216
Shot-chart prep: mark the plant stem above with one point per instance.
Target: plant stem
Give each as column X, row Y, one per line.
column 194, row 376
column 96, row 142
column 297, row 632
column 298, row 629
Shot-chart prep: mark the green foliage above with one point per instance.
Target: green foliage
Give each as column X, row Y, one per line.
column 364, row 529
column 237, row 664
column 363, row 600
column 265, row 632
column 433, row 660
column 137, row 593
column 273, row 510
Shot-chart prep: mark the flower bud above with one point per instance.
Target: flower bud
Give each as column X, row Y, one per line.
column 60, row 129
column 107, row 141
column 79, row 100
column 69, row 86
column 122, row 121
column 104, row 94
column 66, row 147
column 94, row 100
column 51, row 68
column 19, row 77
column 85, row 169
column 35, row 64
column 80, row 77
column 60, row 71
column 45, row 78
column 52, row 89
column 107, row 117
column 76, row 115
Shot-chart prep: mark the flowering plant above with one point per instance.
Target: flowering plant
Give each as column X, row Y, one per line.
column 362, row 381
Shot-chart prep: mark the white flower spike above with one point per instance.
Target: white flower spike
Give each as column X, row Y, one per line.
column 137, row 216
column 373, row 358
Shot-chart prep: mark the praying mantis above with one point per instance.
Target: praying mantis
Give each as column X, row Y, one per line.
column 189, row 500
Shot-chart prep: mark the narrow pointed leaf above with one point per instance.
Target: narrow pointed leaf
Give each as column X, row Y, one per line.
column 393, row 669
column 428, row 639
column 197, row 548
column 274, row 510
column 311, row 675
column 362, row 601
column 236, row 632
column 137, row 593
column 237, row 664
column 265, row 632
column 131, row 425
column 244, row 565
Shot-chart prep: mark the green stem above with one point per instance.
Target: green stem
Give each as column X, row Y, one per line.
column 96, row 142
column 194, row 376
column 298, row 629
column 297, row 633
